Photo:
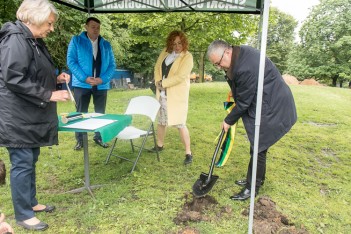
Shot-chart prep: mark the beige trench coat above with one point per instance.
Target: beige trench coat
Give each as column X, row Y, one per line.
column 177, row 85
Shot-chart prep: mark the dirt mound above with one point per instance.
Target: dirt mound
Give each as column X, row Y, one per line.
column 268, row 220
column 290, row 80
column 310, row 82
column 194, row 210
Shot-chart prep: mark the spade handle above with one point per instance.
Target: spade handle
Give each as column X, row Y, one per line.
column 214, row 156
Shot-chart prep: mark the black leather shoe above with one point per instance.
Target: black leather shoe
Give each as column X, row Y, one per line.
column 159, row 148
column 100, row 143
column 37, row 227
column 78, row 146
column 188, row 159
column 243, row 195
column 48, row 209
column 243, row 182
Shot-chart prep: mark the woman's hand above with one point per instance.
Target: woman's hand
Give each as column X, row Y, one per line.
column 63, row 78
column 159, row 85
column 60, row 95
column 5, row 227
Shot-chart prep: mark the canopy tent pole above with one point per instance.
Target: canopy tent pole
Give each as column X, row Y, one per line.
column 258, row 109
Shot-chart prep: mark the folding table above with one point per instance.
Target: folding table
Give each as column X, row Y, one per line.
column 108, row 132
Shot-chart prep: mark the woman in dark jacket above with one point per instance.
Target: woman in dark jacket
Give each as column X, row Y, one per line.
column 28, row 99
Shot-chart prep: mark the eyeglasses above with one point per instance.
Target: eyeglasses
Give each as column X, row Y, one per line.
column 218, row 64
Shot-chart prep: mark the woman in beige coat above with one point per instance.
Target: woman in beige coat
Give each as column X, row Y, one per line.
column 172, row 79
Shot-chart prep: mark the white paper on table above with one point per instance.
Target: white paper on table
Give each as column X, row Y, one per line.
column 89, row 115
column 91, row 124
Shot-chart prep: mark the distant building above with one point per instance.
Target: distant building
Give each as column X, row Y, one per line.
column 121, row 78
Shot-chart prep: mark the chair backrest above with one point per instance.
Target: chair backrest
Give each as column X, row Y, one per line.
column 143, row 105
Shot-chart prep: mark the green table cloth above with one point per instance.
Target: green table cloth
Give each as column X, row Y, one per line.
column 107, row 132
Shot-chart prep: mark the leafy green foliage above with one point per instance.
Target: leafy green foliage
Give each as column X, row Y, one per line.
column 148, row 33
column 70, row 23
column 325, row 43
column 8, row 9
column 280, row 38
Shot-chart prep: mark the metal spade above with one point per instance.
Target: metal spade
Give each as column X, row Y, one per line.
column 206, row 181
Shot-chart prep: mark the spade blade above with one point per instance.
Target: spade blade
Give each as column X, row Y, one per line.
column 204, row 184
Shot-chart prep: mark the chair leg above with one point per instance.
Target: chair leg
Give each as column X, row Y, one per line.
column 153, row 134
column 109, row 155
column 139, row 153
column 132, row 145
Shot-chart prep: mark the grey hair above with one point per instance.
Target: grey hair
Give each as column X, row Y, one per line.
column 36, row 12
column 217, row 47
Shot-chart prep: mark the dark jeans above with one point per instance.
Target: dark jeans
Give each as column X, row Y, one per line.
column 261, row 169
column 22, row 178
column 82, row 97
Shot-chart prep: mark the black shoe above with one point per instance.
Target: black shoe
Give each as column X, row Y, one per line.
column 100, row 143
column 37, row 227
column 159, row 148
column 243, row 182
column 243, row 195
column 188, row 159
column 48, row 209
column 78, row 146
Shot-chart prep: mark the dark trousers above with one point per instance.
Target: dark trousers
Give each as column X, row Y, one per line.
column 82, row 97
column 22, row 178
column 261, row 169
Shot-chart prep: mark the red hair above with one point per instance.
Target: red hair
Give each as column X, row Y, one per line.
column 171, row 38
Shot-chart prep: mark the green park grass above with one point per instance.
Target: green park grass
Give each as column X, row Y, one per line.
column 308, row 171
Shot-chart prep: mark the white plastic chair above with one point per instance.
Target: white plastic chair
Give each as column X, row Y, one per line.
column 141, row 105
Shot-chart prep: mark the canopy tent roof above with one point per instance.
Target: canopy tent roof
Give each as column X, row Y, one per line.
column 139, row 6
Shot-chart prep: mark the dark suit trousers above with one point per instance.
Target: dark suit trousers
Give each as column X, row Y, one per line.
column 261, row 169
column 83, row 96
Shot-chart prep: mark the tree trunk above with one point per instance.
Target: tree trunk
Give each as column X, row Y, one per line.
column 201, row 67
column 334, row 81
column 340, row 83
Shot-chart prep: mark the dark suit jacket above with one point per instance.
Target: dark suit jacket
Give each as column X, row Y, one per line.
column 278, row 106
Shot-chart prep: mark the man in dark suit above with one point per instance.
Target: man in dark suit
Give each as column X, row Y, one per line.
column 241, row 64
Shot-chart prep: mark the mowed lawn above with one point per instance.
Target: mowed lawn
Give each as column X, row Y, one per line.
column 308, row 171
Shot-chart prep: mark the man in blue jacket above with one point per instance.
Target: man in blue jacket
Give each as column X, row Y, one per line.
column 241, row 64
column 90, row 59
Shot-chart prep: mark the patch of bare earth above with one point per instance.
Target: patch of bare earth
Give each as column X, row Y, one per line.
column 290, row 80
column 321, row 124
column 310, row 82
column 196, row 210
column 268, row 220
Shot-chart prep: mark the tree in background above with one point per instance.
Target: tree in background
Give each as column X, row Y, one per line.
column 324, row 52
column 8, row 9
column 280, row 38
column 149, row 31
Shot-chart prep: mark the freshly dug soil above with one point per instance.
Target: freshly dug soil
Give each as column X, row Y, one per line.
column 267, row 220
column 310, row 82
column 290, row 80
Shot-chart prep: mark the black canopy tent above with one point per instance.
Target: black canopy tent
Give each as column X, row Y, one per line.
column 222, row 6
column 139, row 6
